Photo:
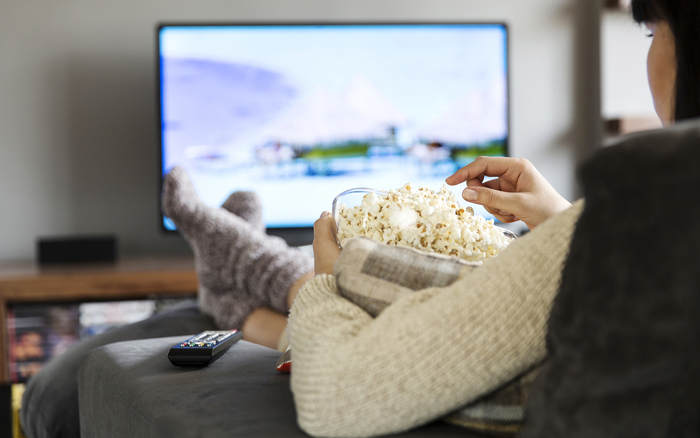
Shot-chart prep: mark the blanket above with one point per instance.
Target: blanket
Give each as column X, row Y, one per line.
column 624, row 330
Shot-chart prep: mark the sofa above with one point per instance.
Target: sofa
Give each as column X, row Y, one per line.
column 121, row 384
column 623, row 335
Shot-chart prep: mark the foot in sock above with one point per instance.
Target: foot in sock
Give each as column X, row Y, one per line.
column 239, row 268
column 247, row 206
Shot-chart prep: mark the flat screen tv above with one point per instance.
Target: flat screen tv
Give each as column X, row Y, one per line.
column 301, row 112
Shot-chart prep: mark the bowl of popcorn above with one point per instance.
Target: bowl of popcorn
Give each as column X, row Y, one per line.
column 419, row 218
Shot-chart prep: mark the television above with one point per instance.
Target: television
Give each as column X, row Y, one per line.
column 299, row 112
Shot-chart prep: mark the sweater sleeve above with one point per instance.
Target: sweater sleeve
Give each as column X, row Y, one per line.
column 428, row 353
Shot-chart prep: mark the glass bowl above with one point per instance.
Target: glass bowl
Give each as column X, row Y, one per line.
column 353, row 198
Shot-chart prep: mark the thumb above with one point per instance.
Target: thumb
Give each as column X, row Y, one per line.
column 494, row 199
column 326, row 250
column 324, row 224
column 324, row 229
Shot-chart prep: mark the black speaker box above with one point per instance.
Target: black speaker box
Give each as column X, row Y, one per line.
column 78, row 249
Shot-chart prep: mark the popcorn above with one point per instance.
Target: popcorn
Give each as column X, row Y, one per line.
column 423, row 219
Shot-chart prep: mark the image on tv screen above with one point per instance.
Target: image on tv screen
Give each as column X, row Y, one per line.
column 300, row 113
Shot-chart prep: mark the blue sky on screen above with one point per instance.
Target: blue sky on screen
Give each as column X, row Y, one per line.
column 457, row 58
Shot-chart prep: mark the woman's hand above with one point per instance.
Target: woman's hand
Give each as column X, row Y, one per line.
column 326, row 251
column 518, row 192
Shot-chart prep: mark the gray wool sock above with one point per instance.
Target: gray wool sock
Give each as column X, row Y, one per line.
column 247, row 206
column 239, row 268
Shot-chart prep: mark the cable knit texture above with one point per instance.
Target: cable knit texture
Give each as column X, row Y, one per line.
column 430, row 352
column 239, row 268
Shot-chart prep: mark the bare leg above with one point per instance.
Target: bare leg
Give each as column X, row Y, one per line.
column 264, row 326
column 294, row 289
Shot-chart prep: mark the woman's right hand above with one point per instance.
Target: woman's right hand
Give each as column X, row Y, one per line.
column 518, row 191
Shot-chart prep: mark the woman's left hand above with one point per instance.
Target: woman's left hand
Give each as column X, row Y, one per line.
column 326, row 251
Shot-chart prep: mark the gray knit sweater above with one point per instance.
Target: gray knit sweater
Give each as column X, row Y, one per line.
column 428, row 353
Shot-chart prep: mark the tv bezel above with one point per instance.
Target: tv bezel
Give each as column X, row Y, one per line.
column 297, row 236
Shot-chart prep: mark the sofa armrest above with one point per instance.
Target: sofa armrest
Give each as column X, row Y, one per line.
column 131, row 389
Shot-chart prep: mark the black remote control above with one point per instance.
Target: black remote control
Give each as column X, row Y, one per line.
column 202, row 349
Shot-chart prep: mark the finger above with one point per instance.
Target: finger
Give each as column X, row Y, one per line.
column 323, row 225
column 502, row 216
column 506, row 218
column 493, row 184
column 485, row 166
column 324, row 231
column 326, row 250
column 476, row 182
column 493, row 211
column 494, row 199
column 462, row 175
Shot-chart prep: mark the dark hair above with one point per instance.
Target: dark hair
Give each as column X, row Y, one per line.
column 683, row 16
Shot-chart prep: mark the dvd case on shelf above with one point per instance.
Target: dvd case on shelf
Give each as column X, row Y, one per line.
column 40, row 332
column 36, row 333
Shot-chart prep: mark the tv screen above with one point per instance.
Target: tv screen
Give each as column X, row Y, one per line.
column 301, row 112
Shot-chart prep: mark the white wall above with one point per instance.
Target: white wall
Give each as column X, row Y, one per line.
column 78, row 150
column 624, row 48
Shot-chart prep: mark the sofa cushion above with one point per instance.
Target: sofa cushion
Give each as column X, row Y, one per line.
column 130, row 389
column 624, row 330
column 50, row 402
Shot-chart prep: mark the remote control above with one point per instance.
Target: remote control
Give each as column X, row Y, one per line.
column 202, row 349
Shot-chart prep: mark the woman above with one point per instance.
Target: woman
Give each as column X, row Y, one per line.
column 440, row 348
column 518, row 192
column 673, row 67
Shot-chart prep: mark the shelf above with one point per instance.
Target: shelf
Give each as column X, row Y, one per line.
column 136, row 278
column 617, row 4
column 628, row 125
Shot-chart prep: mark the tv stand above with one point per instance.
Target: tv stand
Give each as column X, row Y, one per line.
column 294, row 236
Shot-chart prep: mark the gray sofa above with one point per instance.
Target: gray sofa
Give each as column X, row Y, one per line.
column 121, row 384
column 50, row 402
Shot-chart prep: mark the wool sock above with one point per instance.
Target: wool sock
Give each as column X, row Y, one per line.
column 247, row 206
column 239, row 268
